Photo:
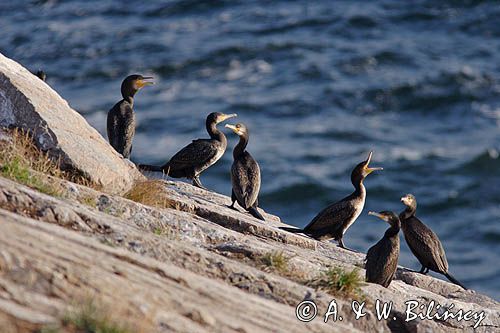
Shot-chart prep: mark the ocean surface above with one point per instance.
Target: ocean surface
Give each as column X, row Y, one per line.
column 319, row 84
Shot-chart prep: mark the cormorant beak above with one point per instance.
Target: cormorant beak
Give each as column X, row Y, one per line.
column 232, row 127
column 369, row 170
column 380, row 216
column 142, row 82
column 405, row 200
column 223, row 117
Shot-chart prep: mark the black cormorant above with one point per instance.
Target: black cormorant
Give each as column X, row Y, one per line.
column 334, row 220
column 199, row 155
column 121, row 118
column 423, row 242
column 41, row 75
column 245, row 174
column 382, row 258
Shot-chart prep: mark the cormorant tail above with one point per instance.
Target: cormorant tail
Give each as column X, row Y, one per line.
column 453, row 280
column 255, row 213
column 147, row 167
column 294, row 230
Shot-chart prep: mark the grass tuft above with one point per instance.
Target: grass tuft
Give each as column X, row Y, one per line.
column 90, row 319
column 276, row 261
column 339, row 281
column 22, row 161
column 151, row 193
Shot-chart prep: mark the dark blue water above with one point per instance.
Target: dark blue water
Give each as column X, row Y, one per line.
column 318, row 83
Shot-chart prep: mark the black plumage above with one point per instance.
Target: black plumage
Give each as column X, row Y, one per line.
column 382, row 258
column 199, row 155
column 121, row 117
column 245, row 174
column 423, row 242
column 333, row 221
column 41, row 75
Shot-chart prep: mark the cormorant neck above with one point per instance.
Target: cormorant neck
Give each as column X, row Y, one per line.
column 359, row 187
column 128, row 94
column 393, row 230
column 240, row 147
column 129, row 99
column 214, row 132
column 409, row 212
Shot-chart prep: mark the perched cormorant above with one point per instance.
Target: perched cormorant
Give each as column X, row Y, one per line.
column 382, row 258
column 199, row 155
column 245, row 174
column 121, row 118
column 334, row 220
column 423, row 242
column 41, row 75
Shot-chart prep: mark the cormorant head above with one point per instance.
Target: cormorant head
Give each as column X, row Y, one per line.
column 362, row 170
column 218, row 117
column 41, row 75
column 240, row 129
column 409, row 201
column 387, row 216
column 133, row 83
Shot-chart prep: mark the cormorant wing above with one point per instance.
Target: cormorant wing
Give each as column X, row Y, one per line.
column 382, row 261
column 245, row 173
column 196, row 153
column 334, row 215
column 425, row 245
column 120, row 128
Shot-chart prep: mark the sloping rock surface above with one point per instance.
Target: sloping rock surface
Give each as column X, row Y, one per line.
column 188, row 269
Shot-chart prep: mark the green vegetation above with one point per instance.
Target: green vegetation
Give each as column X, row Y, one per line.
column 276, row 261
column 89, row 201
column 338, row 281
column 88, row 318
column 17, row 169
column 20, row 160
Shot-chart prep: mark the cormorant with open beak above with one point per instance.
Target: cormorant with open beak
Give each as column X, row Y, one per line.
column 245, row 174
column 121, row 117
column 423, row 242
column 333, row 221
column 382, row 258
column 199, row 155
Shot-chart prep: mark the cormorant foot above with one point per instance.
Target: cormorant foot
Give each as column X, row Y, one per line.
column 232, row 207
column 197, row 183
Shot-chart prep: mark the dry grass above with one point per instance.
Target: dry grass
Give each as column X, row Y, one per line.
column 89, row 318
column 151, row 193
column 22, row 161
column 275, row 261
column 338, row 281
column 278, row 262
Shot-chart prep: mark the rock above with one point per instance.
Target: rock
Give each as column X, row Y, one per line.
column 27, row 102
column 205, row 252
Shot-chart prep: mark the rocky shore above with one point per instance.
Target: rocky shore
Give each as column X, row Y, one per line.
column 178, row 260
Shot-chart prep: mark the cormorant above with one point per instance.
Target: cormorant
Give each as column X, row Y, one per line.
column 41, row 75
column 334, row 220
column 245, row 174
column 121, row 117
column 199, row 155
column 423, row 242
column 382, row 258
